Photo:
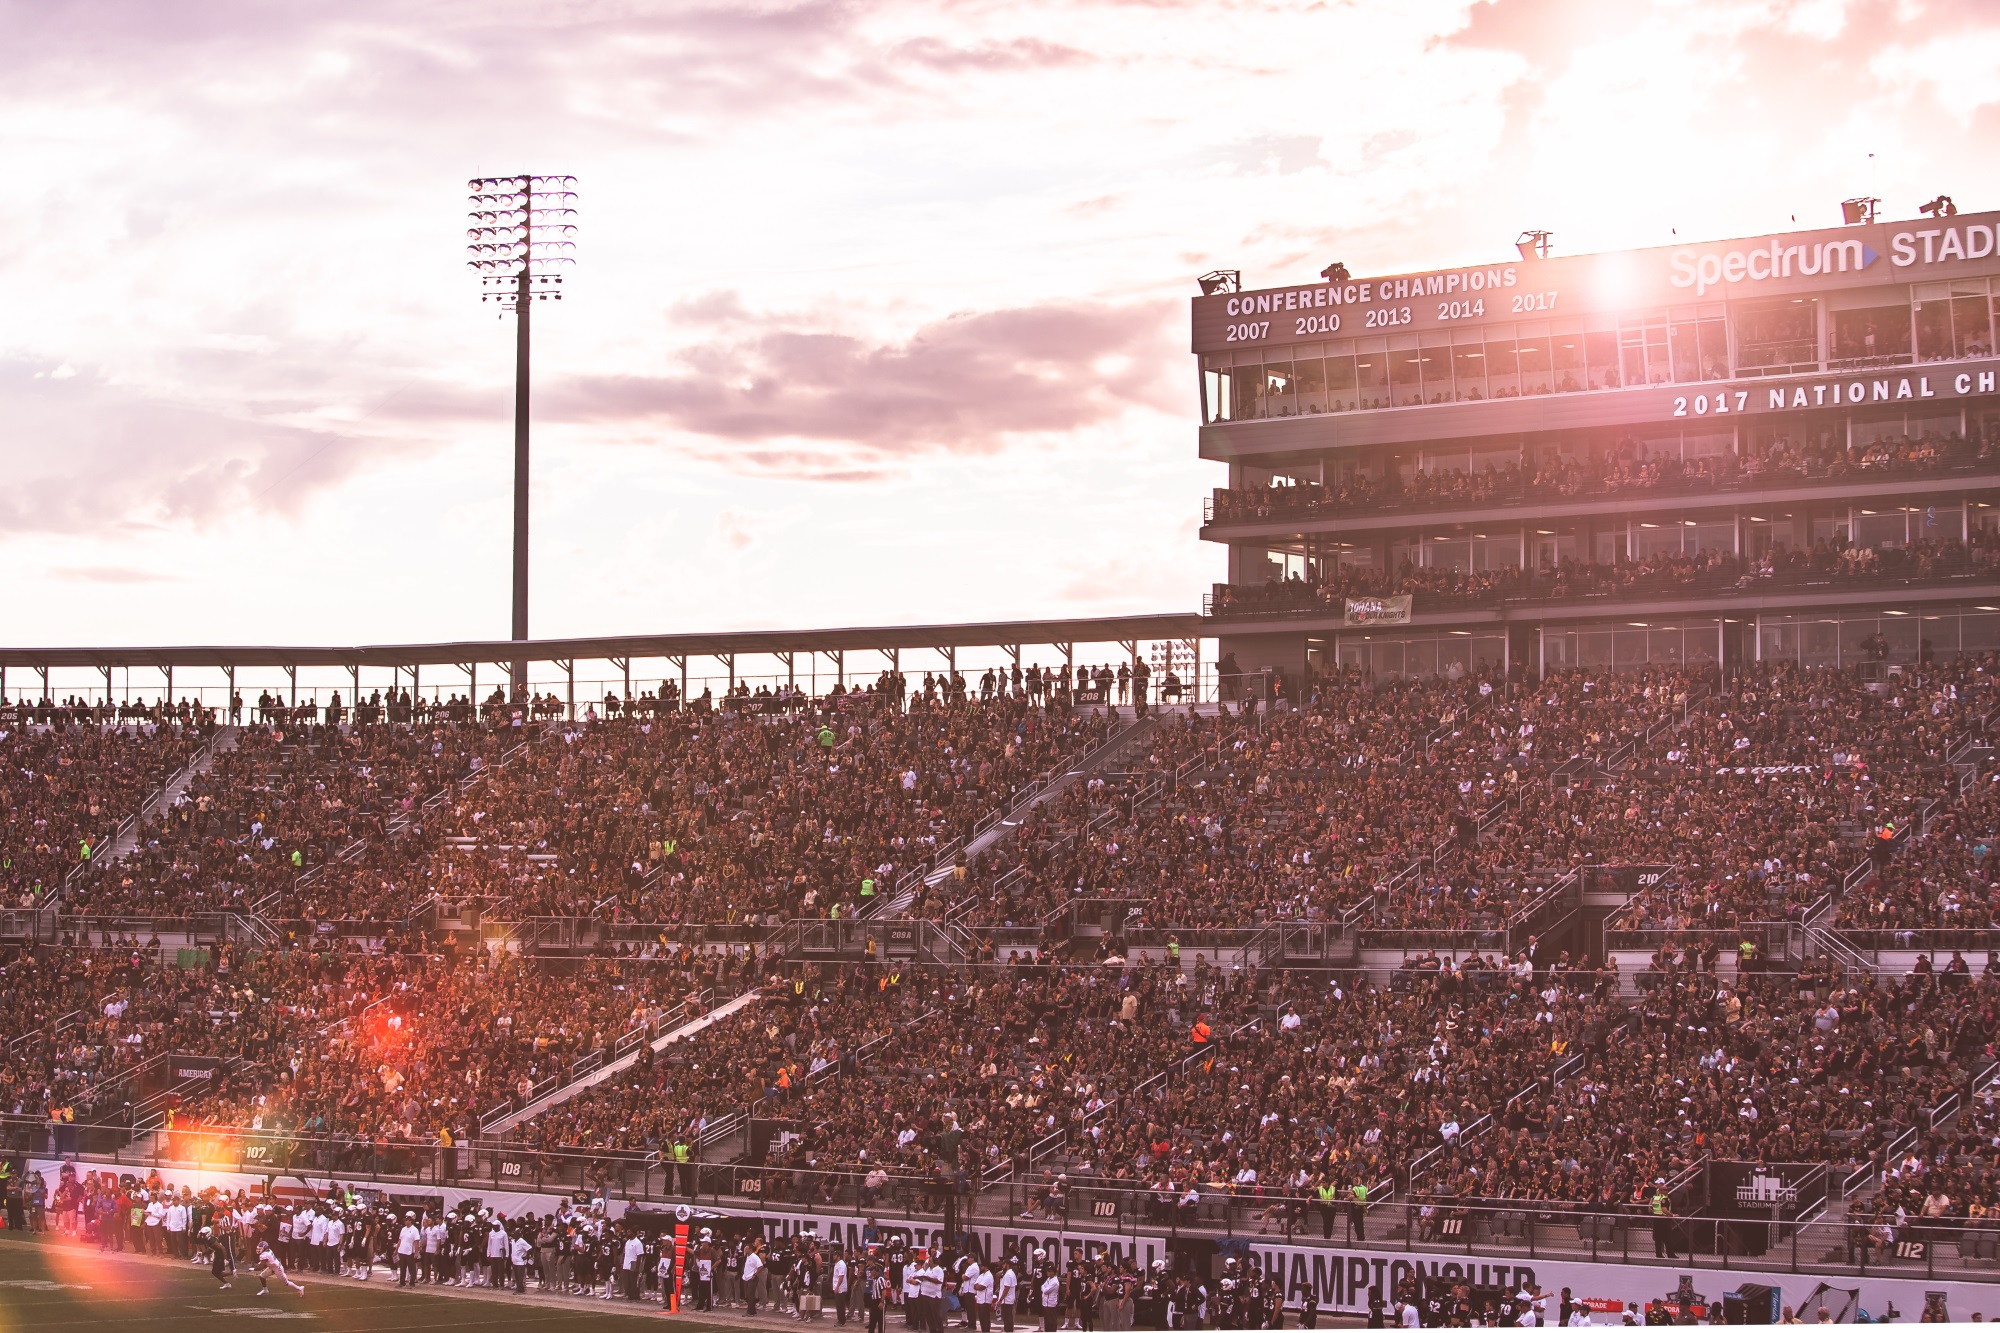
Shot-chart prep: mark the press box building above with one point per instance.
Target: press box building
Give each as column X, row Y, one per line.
column 1459, row 436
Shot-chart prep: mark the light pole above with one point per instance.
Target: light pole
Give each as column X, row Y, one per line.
column 519, row 240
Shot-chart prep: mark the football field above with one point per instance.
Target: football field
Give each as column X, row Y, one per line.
column 52, row 1285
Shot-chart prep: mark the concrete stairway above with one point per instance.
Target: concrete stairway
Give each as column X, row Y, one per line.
column 1116, row 748
column 557, row 1096
column 126, row 840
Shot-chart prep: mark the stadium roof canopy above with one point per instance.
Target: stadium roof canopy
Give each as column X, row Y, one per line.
column 1011, row 634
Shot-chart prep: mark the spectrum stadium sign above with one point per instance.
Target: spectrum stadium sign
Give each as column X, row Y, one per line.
column 1787, row 264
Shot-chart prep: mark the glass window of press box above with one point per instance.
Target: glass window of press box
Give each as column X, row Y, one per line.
column 1778, row 337
column 1452, row 655
column 1496, row 361
column 1631, row 646
column 1886, row 637
column 1458, row 550
column 1682, row 345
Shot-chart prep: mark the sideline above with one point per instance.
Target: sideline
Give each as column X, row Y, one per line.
column 580, row 1305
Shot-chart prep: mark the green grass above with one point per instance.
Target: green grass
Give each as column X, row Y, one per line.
column 73, row 1287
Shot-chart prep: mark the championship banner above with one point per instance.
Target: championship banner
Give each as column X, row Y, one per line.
column 1379, row 610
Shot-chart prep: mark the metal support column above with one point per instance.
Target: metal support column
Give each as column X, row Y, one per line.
column 728, row 661
column 292, row 674
column 624, row 664
column 44, row 673
column 523, row 302
column 681, row 662
column 839, row 656
column 569, row 670
column 106, row 669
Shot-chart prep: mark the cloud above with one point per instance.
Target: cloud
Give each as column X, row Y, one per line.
column 1020, row 53
column 1542, row 32
column 736, row 529
column 84, row 454
column 1282, row 154
column 740, row 529
column 642, row 72
column 839, row 407
column 111, row 574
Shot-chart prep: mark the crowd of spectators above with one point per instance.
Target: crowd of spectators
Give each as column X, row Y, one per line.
column 1442, row 805
column 66, row 784
column 271, row 813
column 658, row 816
column 417, row 1047
column 1199, row 1087
column 721, row 818
column 1625, row 465
column 324, row 1041
column 1775, row 790
column 1755, row 1070
column 1941, row 886
column 1451, row 805
column 1438, row 587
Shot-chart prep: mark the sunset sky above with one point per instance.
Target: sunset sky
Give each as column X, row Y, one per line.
column 880, row 313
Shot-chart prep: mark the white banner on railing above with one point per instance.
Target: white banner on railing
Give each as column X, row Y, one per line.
column 1343, row 1277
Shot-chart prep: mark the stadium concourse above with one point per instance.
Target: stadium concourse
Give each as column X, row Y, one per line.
column 1605, row 963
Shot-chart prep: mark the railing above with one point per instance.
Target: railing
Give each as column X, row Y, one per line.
column 1282, row 601
column 1546, row 912
column 591, row 1061
column 1869, row 1173
column 50, row 1034
column 1925, row 939
column 1565, row 1069
column 453, row 790
column 151, row 1113
column 1460, row 717
column 100, row 847
column 1623, row 755
column 1050, row 1143
column 1493, row 813
column 1421, row 1167
column 1297, row 503
column 1832, row 946
column 1402, row 879
column 1953, row 1247
column 914, row 880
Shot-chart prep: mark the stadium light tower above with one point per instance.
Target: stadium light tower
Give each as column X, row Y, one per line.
column 522, row 235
